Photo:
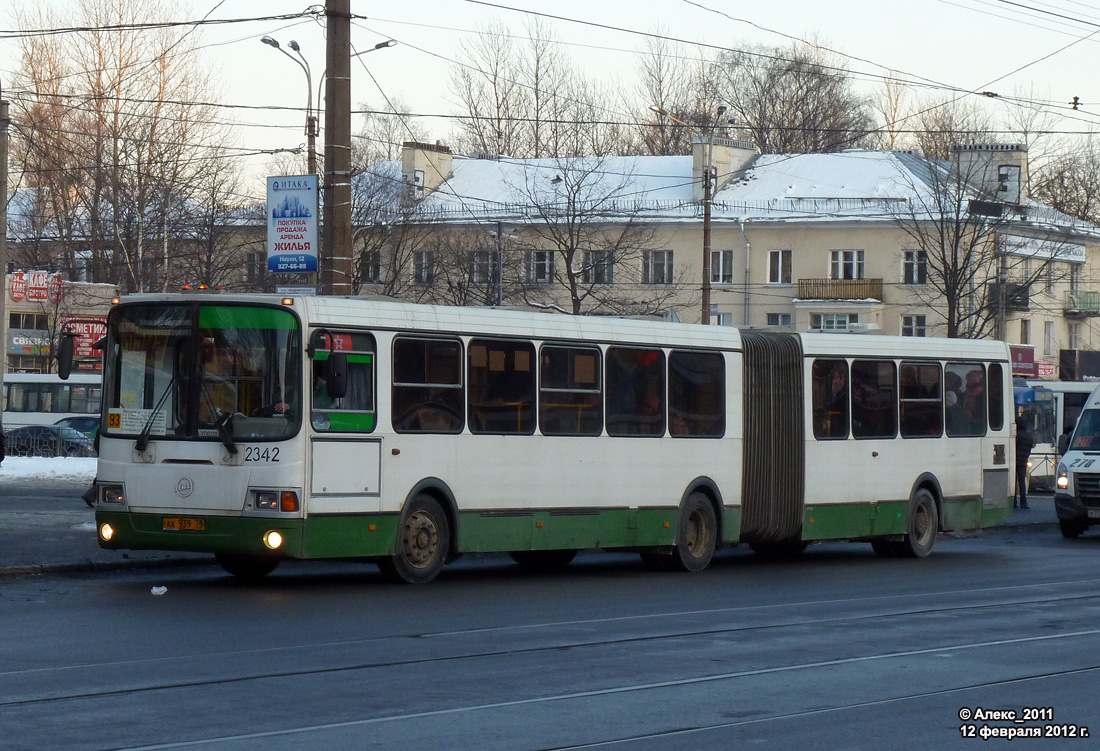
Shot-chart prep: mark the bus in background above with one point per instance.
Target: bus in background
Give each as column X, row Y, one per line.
column 43, row 399
column 1035, row 406
column 1068, row 399
column 262, row 428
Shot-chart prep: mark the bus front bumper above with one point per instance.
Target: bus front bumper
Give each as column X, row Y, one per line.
column 120, row 530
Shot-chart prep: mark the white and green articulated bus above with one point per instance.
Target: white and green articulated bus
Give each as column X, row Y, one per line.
column 261, row 428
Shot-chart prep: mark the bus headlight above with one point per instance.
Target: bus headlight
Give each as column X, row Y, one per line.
column 111, row 494
column 268, row 499
column 106, row 532
column 1029, row 464
column 273, row 540
column 1062, row 482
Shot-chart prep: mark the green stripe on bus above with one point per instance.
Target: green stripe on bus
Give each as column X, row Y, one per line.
column 366, row 359
column 854, row 520
column 242, row 317
column 223, row 534
column 489, row 532
column 359, row 422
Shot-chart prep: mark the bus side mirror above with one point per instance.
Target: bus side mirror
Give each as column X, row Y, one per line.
column 336, row 379
column 1063, row 444
column 65, row 356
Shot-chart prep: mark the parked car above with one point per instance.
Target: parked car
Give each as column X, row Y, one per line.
column 86, row 424
column 47, row 440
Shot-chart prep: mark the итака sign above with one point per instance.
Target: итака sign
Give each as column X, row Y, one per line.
column 292, row 224
column 37, row 286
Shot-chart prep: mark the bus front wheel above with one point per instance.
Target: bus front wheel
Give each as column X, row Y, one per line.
column 424, row 539
column 250, row 568
column 696, row 534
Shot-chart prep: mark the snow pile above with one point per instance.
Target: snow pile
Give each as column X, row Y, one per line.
column 57, row 468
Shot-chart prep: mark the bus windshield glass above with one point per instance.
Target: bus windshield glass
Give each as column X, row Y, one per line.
column 202, row 371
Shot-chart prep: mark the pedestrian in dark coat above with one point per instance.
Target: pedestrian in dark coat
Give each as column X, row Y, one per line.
column 1025, row 441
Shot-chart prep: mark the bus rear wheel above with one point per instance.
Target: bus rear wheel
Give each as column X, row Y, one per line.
column 921, row 526
column 249, row 568
column 424, row 539
column 543, row 561
column 696, row 534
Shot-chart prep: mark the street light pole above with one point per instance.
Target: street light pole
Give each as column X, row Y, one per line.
column 708, row 190
column 311, row 119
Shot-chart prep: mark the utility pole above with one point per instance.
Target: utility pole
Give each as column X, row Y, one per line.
column 335, row 261
column 4, row 122
column 705, row 317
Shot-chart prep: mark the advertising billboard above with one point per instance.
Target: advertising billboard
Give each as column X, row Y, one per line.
column 292, row 224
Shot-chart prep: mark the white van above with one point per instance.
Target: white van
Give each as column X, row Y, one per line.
column 1077, row 485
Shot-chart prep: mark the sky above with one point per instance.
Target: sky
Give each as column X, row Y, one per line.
column 1048, row 50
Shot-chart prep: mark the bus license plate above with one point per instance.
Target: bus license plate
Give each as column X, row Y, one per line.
column 1094, row 513
column 183, row 524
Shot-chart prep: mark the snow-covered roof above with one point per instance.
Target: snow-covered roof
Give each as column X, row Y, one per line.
column 855, row 184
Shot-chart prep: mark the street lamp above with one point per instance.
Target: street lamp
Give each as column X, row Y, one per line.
column 708, row 189
column 311, row 119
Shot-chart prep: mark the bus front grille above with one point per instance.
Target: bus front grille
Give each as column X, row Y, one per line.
column 1088, row 489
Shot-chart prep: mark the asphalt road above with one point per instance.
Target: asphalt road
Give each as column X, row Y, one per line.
column 839, row 649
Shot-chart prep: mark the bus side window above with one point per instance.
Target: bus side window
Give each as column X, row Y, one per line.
column 995, row 384
column 696, row 394
column 354, row 411
column 829, row 381
column 965, row 399
column 635, row 391
column 874, row 399
column 570, row 399
column 501, row 386
column 921, row 397
column 427, row 386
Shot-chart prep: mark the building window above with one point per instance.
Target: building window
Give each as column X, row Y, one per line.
column 423, row 266
column 1025, row 331
column 371, row 266
column 658, row 267
column 916, row 267
column 29, row 321
column 1048, row 338
column 540, row 267
column 1050, row 278
column 481, row 266
column 846, row 264
column 255, row 266
column 599, row 267
column 1074, row 277
column 913, row 326
column 779, row 267
column 721, row 267
column 832, row 321
column 779, row 319
column 724, row 319
column 1074, row 335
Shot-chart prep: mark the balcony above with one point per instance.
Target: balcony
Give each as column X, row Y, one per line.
column 1081, row 303
column 840, row 289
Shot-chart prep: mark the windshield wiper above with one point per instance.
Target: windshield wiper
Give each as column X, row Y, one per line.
column 142, row 441
column 224, row 432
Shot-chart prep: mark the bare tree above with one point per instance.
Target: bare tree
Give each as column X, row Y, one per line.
column 587, row 248
column 890, row 106
column 1070, row 181
column 487, row 89
column 942, row 124
column 380, row 137
column 128, row 132
column 797, row 100
column 954, row 222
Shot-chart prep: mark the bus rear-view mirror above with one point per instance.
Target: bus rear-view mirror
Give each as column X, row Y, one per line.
column 65, row 356
column 1063, row 444
column 336, row 382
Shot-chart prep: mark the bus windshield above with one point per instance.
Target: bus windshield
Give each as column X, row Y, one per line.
column 202, row 371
